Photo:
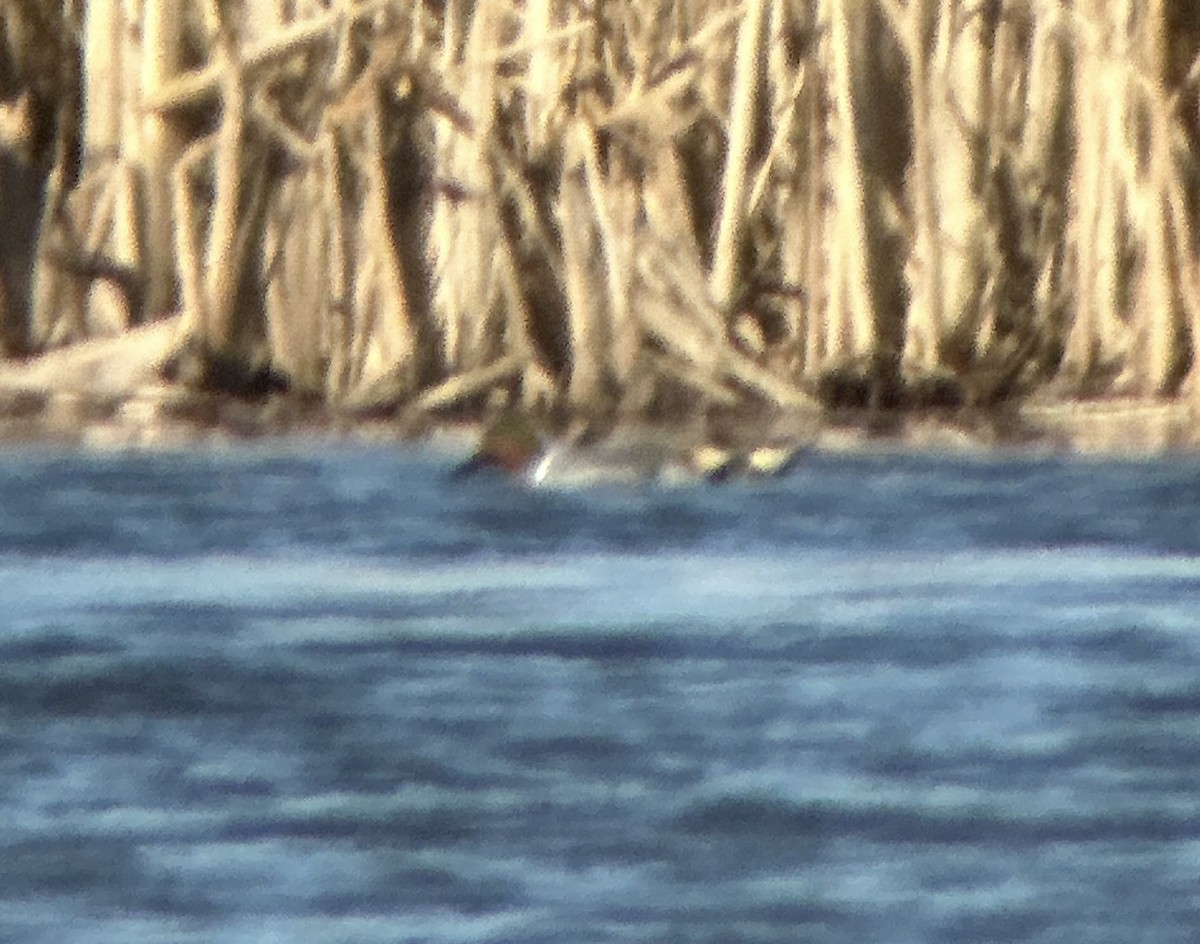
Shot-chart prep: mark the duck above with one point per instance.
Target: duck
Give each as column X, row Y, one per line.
column 512, row 445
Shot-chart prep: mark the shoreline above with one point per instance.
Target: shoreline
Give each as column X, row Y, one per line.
column 168, row 418
column 109, row 394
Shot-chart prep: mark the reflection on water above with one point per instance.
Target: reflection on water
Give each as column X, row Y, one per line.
column 262, row 697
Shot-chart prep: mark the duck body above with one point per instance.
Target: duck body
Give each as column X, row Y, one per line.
column 563, row 465
column 511, row 446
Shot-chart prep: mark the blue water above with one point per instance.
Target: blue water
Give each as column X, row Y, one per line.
column 330, row 697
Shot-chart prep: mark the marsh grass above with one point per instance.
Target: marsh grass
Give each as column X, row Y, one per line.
column 627, row 208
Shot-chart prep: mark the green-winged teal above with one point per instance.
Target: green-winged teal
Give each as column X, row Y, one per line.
column 511, row 444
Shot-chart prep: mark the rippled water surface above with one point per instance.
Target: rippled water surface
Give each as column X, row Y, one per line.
column 333, row 697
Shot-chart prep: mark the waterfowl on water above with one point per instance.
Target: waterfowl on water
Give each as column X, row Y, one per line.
column 512, row 445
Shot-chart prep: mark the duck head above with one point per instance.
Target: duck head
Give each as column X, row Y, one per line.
column 510, row 444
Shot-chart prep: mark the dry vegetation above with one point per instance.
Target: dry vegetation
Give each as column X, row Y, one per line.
column 638, row 208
